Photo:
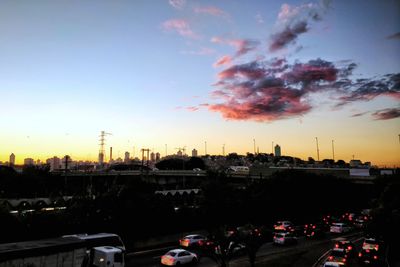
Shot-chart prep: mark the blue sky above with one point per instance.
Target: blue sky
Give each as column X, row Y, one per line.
column 143, row 70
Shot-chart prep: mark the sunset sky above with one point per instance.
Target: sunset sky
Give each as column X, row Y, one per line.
column 183, row 73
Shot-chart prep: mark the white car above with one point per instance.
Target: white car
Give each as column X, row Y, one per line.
column 178, row 257
column 340, row 228
column 284, row 238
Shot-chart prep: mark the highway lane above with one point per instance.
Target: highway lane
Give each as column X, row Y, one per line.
column 305, row 253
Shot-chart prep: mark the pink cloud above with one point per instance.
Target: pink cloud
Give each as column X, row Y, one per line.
column 225, row 60
column 243, row 46
column 180, row 26
column 211, row 10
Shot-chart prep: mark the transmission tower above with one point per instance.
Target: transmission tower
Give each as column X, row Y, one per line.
column 102, row 144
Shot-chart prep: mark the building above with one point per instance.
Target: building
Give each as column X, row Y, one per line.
column 12, row 159
column 29, row 162
column 152, row 157
column 158, row 156
column 194, row 152
column 179, row 153
column 55, row 163
column 278, row 151
column 127, row 157
column 355, row 163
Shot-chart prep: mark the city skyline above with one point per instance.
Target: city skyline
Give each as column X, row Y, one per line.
column 183, row 73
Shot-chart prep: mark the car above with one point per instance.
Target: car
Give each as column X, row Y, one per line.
column 178, row 257
column 284, row 225
column 370, row 256
column 338, row 255
column 371, row 244
column 313, row 230
column 193, row 241
column 340, row 228
column 332, row 264
column 197, row 170
column 345, row 244
column 284, row 238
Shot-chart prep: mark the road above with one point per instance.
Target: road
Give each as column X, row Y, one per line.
column 305, row 253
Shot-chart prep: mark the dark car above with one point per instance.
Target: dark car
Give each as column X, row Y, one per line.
column 314, row 230
column 345, row 244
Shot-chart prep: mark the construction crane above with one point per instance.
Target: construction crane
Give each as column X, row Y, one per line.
column 102, row 141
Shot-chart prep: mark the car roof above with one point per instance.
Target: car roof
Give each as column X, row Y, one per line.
column 177, row 250
column 338, row 249
column 331, row 264
column 194, row 235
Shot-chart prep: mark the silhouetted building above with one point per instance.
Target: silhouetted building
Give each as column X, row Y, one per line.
column 152, row 156
column 54, row 163
column 355, row 163
column 158, row 156
column 180, row 154
column 194, row 152
column 278, row 151
column 29, row 162
column 12, row 159
column 126, row 160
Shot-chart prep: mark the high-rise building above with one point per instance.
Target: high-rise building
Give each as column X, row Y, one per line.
column 54, row 163
column 152, row 156
column 179, row 154
column 29, row 162
column 12, row 159
column 194, row 152
column 277, row 151
column 158, row 156
column 127, row 155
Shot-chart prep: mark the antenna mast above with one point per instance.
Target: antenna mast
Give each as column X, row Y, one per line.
column 316, row 138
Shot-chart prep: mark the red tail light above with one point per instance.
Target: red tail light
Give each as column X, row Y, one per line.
column 349, row 247
column 344, row 260
column 201, row 242
column 330, row 258
column 313, row 226
column 337, row 246
column 375, row 257
column 367, row 251
column 360, row 254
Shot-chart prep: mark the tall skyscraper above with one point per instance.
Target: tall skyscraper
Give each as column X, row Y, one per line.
column 194, row 152
column 152, row 157
column 12, row 159
column 158, row 156
column 55, row 163
column 277, row 151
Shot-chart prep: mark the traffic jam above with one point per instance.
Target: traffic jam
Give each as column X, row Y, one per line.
column 284, row 233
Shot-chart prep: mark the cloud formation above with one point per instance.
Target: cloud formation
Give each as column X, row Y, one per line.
column 395, row 36
column 268, row 90
column 203, row 51
column 293, row 21
column 180, row 26
column 178, row 4
column 243, row 46
column 387, row 114
column 224, row 60
column 211, row 10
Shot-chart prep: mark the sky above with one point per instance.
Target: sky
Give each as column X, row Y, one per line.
column 167, row 74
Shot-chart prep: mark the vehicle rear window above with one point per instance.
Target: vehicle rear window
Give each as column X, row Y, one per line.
column 173, row 254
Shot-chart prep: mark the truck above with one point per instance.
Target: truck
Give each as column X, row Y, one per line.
column 62, row 251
